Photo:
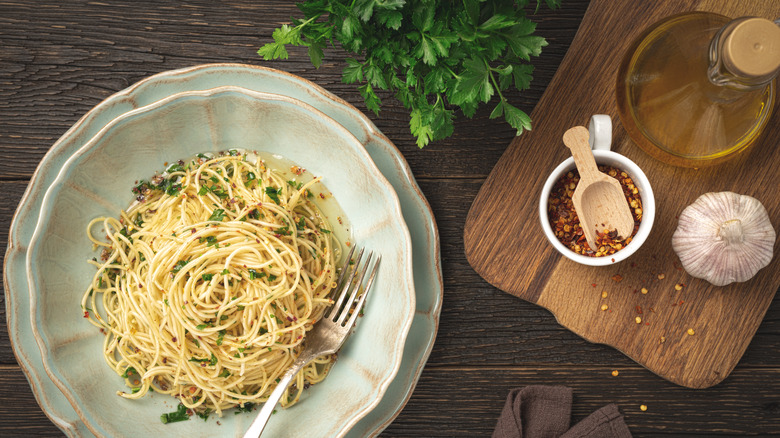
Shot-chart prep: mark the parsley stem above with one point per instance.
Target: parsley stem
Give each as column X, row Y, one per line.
column 495, row 84
column 305, row 23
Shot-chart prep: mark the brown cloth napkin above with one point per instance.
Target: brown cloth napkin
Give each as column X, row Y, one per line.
column 540, row 411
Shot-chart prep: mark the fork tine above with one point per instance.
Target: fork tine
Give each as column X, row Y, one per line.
column 362, row 298
column 332, row 312
column 346, row 265
column 355, row 289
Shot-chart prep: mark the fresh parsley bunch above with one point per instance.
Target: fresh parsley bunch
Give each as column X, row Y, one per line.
column 432, row 55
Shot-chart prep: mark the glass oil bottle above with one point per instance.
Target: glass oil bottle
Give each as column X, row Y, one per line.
column 697, row 88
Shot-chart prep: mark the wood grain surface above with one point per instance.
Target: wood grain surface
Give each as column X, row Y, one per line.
column 651, row 328
column 59, row 59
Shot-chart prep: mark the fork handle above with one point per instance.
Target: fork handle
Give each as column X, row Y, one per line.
column 258, row 425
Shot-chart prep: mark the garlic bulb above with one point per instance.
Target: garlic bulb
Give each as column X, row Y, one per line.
column 724, row 237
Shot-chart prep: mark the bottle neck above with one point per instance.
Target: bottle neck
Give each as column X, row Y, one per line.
column 722, row 71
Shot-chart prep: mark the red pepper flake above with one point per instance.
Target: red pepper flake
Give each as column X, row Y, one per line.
column 565, row 222
column 639, row 309
column 593, row 284
column 682, row 302
column 86, row 314
column 617, row 278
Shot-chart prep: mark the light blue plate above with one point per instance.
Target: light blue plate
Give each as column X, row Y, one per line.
column 417, row 214
column 95, row 182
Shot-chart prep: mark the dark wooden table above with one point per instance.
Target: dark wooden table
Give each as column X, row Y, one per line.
column 59, row 59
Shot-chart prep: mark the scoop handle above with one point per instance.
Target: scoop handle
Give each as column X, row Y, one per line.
column 576, row 139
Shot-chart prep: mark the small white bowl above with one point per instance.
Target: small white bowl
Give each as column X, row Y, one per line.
column 600, row 140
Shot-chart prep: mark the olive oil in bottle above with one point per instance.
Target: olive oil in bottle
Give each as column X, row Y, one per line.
column 697, row 88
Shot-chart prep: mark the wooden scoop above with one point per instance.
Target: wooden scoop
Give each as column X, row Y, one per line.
column 598, row 199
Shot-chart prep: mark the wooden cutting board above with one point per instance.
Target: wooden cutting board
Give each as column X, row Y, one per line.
column 505, row 245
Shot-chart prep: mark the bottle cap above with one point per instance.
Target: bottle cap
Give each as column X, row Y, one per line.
column 752, row 48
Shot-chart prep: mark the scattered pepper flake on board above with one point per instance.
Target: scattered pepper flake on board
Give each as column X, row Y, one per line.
column 661, row 276
column 662, row 339
column 691, row 332
column 638, row 319
column 644, row 291
column 678, row 286
column 617, row 278
column 642, row 408
column 615, row 373
column 603, row 294
column 604, row 307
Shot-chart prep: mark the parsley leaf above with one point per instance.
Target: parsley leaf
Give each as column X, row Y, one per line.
column 273, row 194
column 129, row 372
column 434, row 56
column 254, row 274
column 218, row 215
column 180, row 264
column 176, row 167
column 247, row 407
column 179, row 415
column 516, row 117
column 250, row 177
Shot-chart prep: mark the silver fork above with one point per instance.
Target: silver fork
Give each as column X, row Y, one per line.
column 329, row 334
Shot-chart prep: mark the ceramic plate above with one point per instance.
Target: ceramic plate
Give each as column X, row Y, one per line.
column 417, row 214
column 96, row 181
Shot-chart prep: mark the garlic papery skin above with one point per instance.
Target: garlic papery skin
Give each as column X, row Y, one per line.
column 724, row 237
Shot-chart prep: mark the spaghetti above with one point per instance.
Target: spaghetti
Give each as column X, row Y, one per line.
column 208, row 283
